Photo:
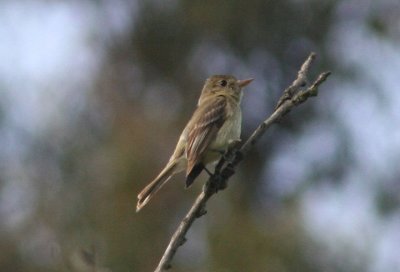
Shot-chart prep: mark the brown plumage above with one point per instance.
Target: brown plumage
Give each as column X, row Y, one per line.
column 214, row 124
column 210, row 120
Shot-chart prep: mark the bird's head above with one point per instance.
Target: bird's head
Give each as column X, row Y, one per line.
column 224, row 85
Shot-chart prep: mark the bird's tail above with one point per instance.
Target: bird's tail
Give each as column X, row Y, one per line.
column 149, row 191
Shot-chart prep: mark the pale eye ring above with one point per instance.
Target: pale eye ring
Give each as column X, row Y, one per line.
column 223, row 83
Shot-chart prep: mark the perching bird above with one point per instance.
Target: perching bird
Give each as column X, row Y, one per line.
column 215, row 124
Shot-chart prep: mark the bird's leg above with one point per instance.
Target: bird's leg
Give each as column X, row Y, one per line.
column 225, row 175
column 227, row 156
column 217, row 183
column 208, row 172
column 233, row 144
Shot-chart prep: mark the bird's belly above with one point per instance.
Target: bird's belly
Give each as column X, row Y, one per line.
column 229, row 131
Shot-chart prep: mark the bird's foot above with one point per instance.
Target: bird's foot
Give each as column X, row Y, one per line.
column 234, row 143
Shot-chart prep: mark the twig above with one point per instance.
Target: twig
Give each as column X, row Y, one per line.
column 293, row 96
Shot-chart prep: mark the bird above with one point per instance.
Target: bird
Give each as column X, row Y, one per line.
column 213, row 127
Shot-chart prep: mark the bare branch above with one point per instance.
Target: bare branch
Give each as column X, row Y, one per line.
column 299, row 82
column 293, row 96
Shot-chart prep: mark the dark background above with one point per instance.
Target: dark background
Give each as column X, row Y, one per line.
column 94, row 94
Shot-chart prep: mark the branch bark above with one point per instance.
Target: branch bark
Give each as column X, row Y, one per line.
column 297, row 93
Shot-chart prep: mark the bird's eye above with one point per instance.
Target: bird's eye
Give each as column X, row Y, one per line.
column 223, row 83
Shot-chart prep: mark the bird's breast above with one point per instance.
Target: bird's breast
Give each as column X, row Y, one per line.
column 229, row 131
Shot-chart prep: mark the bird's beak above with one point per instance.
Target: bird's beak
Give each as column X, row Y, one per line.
column 244, row 82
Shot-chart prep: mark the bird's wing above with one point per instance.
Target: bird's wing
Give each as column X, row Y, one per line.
column 206, row 124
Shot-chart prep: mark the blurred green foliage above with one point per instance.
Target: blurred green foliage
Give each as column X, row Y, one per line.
column 141, row 98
